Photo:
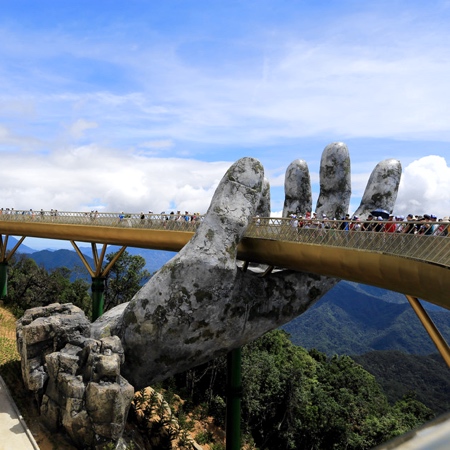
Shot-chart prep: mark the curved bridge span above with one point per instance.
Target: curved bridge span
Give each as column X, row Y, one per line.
column 415, row 265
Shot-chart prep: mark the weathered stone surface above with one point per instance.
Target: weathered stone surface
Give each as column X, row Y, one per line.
column 110, row 345
column 80, row 428
column 90, row 416
column 297, row 189
column 382, row 188
column 43, row 330
column 50, row 412
column 335, row 181
column 108, row 403
column 264, row 209
column 106, row 366
column 107, row 324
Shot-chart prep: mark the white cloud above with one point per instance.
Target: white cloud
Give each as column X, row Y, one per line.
column 78, row 128
column 425, row 188
column 92, row 177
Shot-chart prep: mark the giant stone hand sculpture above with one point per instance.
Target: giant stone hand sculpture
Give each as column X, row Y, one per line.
column 200, row 304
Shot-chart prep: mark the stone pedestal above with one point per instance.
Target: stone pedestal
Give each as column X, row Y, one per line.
column 75, row 378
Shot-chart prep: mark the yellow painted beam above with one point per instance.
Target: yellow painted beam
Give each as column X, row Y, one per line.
column 430, row 327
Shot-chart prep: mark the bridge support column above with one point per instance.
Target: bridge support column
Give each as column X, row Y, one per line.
column 98, row 296
column 3, row 279
column 431, row 328
column 234, row 396
column 98, row 275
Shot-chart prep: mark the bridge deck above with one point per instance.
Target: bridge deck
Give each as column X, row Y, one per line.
column 417, row 265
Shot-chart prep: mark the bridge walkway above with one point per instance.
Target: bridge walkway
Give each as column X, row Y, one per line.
column 413, row 264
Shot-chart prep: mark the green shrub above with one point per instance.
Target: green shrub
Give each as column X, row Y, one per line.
column 204, row 437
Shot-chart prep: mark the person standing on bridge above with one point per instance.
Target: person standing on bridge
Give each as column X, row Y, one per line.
column 411, row 226
column 390, row 226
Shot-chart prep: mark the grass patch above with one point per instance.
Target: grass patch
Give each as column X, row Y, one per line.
column 10, row 369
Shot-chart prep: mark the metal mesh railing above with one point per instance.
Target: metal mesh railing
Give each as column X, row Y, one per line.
column 121, row 220
column 372, row 236
column 426, row 241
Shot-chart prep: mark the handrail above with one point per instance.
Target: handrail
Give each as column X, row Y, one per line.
column 104, row 219
column 370, row 236
column 352, row 234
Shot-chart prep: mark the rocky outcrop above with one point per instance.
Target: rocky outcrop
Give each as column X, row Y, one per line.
column 45, row 330
column 76, row 379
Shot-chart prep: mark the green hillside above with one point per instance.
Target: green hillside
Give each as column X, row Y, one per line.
column 348, row 320
column 398, row 374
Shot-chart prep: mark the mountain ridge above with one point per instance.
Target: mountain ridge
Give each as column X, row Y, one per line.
column 348, row 321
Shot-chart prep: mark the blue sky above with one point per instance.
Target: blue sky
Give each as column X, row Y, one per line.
column 137, row 105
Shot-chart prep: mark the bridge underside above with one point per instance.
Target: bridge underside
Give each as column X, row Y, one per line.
column 416, row 278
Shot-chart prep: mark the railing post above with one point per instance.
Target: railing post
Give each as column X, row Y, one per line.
column 234, row 395
column 98, row 299
column 3, row 279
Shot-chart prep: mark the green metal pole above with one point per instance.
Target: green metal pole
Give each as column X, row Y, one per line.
column 3, row 279
column 234, row 395
column 98, row 298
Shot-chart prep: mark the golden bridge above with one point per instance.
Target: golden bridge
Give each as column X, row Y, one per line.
column 416, row 265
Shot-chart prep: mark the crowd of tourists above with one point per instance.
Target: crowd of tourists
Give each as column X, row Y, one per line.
column 426, row 224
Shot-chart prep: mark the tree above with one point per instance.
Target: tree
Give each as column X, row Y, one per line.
column 297, row 399
column 30, row 285
column 124, row 279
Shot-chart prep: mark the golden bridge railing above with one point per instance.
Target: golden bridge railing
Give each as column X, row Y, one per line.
column 122, row 220
column 430, row 248
column 434, row 248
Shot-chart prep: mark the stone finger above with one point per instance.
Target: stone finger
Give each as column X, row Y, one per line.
column 297, row 189
column 382, row 188
column 335, row 181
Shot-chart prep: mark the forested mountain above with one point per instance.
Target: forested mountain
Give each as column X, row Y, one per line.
column 398, row 374
column 63, row 258
column 51, row 259
column 154, row 259
column 350, row 321
column 383, row 334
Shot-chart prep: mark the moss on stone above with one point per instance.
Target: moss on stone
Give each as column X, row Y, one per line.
column 379, row 199
column 201, row 295
column 191, row 340
column 129, row 318
column 207, row 334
